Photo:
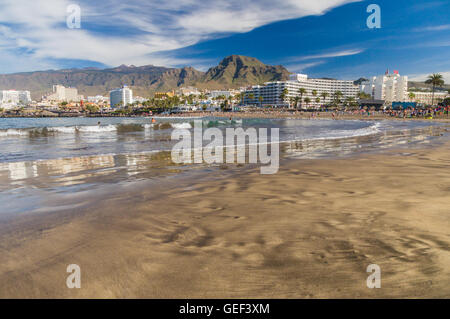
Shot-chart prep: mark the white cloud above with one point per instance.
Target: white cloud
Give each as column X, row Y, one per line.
column 299, row 63
column 133, row 32
column 423, row 77
column 328, row 55
column 434, row 28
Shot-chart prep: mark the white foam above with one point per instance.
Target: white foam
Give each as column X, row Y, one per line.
column 62, row 129
column 13, row 132
column 181, row 125
column 97, row 128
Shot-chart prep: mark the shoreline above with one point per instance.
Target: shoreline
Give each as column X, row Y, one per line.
column 307, row 232
column 262, row 114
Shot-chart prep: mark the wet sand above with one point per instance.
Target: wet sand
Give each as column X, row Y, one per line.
column 309, row 231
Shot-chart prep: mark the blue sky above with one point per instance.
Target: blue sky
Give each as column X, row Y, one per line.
column 322, row 38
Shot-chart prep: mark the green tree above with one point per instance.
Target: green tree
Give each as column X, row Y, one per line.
column 251, row 96
column 324, row 96
column 283, row 95
column 92, row 108
column 411, row 96
column 351, row 102
column 435, row 80
column 296, row 100
column 302, row 92
column 363, row 96
column 337, row 98
column 307, row 101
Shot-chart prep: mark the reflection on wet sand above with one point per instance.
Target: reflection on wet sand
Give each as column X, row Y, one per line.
column 101, row 169
column 80, row 170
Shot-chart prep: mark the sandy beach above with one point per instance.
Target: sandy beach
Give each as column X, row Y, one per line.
column 309, row 231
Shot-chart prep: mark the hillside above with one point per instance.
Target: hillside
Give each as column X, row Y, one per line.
column 423, row 85
column 232, row 72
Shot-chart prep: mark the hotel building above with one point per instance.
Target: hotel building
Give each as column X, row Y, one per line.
column 388, row 87
column 271, row 91
column 427, row 97
column 13, row 98
column 63, row 94
column 121, row 97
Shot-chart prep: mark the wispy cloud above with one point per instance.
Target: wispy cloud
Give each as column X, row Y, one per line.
column 433, row 28
column 300, row 63
column 328, row 55
column 301, row 67
column 147, row 27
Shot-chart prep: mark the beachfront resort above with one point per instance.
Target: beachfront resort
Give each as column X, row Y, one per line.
column 380, row 93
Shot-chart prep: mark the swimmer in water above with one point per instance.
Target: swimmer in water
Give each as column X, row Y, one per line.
column 98, row 123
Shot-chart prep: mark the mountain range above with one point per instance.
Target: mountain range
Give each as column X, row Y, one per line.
column 232, row 72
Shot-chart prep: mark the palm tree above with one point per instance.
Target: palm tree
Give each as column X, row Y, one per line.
column 435, row 79
column 292, row 100
column 307, row 101
column 317, row 100
column 283, row 95
column 251, row 96
column 363, row 96
column 260, row 99
column 324, row 96
column 301, row 91
column 337, row 98
column 411, row 96
column 296, row 100
column 350, row 101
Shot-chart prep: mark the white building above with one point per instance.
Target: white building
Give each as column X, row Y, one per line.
column 388, row 87
column 63, row 94
column 98, row 99
column 271, row 91
column 216, row 94
column 188, row 91
column 139, row 99
column 12, row 98
column 427, row 97
column 121, row 97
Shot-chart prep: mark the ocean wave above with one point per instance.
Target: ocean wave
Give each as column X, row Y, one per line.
column 97, row 128
column 163, row 125
column 62, row 129
column 370, row 130
column 13, row 132
column 341, row 134
column 183, row 125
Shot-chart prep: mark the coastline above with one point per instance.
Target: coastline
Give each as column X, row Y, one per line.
column 307, row 232
column 272, row 114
